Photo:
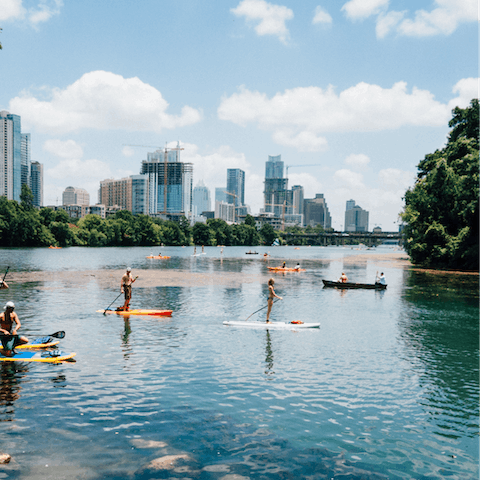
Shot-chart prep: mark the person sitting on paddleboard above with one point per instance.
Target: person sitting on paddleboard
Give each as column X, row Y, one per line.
column 9, row 325
column 126, row 288
column 271, row 296
column 343, row 278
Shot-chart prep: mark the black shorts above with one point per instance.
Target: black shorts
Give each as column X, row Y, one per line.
column 127, row 290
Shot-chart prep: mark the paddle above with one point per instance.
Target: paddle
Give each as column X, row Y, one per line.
column 60, row 334
column 105, row 311
column 275, row 301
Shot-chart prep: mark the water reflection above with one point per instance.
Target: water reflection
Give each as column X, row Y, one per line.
column 269, row 357
column 11, row 374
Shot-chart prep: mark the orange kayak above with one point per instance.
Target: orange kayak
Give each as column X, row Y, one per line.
column 156, row 313
column 286, row 269
column 157, row 257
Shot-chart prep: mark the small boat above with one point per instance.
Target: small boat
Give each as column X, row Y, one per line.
column 157, row 257
column 369, row 286
column 286, row 269
column 251, row 253
column 54, row 247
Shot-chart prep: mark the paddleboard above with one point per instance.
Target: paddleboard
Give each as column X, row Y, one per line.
column 42, row 342
column 53, row 356
column 273, row 325
column 156, row 313
column 286, row 269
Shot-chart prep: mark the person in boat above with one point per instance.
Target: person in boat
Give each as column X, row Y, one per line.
column 380, row 280
column 126, row 288
column 284, row 265
column 3, row 284
column 297, row 266
column 343, row 278
column 9, row 325
column 271, row 296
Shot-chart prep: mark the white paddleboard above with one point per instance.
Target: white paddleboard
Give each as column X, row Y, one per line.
column 273, row 325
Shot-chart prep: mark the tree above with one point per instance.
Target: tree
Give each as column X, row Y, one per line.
column 203, row 235
column 268, row 234
column 441, row 211
column 26, row 197
column 249, row 220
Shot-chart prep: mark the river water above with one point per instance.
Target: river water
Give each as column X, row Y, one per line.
column 387, row 388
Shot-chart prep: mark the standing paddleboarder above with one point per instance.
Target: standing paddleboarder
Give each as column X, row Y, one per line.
column 126, row 288
column 271, row 296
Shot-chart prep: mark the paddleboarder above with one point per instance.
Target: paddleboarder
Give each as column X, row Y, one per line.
column 126, row 288
column 9, row 325
column 271, row 296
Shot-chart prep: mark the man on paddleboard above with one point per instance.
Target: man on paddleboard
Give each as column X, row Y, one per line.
column 9, row 325
column 126, row 287
column 271, row 296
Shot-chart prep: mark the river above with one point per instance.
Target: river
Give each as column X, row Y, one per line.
column 387, row 388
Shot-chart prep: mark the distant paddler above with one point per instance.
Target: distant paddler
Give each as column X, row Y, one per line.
column 3, row 284
column 126, row 288
column 9, row 325
column 271, row 296
column 343, row 278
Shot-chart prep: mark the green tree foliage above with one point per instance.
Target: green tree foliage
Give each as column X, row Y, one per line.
column 268, row 234
column 203, row 235
column 441, row 211
column 26, row 197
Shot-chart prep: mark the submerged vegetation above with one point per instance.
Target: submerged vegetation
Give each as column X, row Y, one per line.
column 441, row 211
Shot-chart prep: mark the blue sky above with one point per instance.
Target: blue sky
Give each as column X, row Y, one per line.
column 358, row 90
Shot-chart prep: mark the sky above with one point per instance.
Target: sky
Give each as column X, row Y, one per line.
column 351, row 93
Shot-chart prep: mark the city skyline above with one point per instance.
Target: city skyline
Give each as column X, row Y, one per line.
column 351, row 94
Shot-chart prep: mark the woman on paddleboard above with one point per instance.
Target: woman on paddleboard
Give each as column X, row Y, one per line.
column 271, row 296
column 9, row 325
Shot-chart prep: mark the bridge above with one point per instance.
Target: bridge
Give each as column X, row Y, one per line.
column 343, row 238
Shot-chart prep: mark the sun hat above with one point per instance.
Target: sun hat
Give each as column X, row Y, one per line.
column 129, row 269
column 9, row 305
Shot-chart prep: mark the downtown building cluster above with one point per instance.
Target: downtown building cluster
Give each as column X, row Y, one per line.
column 164, row 189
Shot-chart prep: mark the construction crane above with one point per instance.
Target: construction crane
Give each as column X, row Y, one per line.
column 165, row 170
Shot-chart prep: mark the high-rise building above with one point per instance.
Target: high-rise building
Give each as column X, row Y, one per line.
column 25, row 158
column 140, row 189
column 201, row 198
column 236, row 186
column 116, row 193
column 36, row 183
column 276, row 197
column 75, row 196
column 356, row 219
column 170, row 182
column 10, row 156
column 316, row 212
column 297, row 201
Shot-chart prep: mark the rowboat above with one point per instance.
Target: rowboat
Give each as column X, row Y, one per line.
column 286, row 269
column 370, row 286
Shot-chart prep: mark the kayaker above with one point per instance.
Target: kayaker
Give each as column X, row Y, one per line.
column 343, row 278
column 284, row 264
column 9, row 325
column 381, row 279
column 126, row 288
column 297, row 266
column 271, row 296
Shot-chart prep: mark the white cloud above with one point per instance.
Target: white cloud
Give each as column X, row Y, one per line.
column 467, row 89
column 393, row 178
column 443, row 19
column 14, row 10
column 271, row 18
column 63, row 149
column 128, row 151
column 347, row 179
column 361, row 9
column 358, row 160
column 300, row 116
column 103, row 101
column 321, row 16
column 310, row 184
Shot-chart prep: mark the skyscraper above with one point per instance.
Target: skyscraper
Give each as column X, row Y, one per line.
column 25, row 159
column 10, row 156
column 298, row 197
column 276, row 197
column 356, row 219
column 140, row 190
column 116, row 193
column 236, row 186
column 75, row 196
column 201, row 198
column 170, row 182
column 316, row 212
column 36, row 183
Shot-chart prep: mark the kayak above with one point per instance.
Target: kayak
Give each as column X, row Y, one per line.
column 155, row 313
column 157, row 257
column 273, row 325
column 286, row 269
column 48, row 356
column 368, row 286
